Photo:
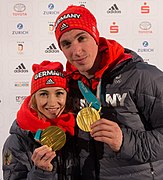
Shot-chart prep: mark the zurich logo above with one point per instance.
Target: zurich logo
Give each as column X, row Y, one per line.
column 51, row 6
column 20, row 26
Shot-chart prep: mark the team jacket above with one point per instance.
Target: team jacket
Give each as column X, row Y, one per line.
column 131, row 94
column 17, row 163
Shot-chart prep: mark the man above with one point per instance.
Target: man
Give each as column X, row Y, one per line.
column 126, row 142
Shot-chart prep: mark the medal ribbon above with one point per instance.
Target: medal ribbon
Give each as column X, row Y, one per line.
column 89, row 96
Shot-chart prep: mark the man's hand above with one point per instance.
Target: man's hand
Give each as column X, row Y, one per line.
column 108, row 132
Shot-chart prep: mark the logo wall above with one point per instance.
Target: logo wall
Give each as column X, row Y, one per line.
column 27, row 37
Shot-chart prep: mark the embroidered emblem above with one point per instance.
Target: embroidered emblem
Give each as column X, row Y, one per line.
column 50, row 81
column 7, row 158
column 66, row 16
column 118, row 79
column 48, row 73
column 64, row 26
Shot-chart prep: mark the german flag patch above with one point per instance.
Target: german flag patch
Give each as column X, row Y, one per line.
column 7, row 157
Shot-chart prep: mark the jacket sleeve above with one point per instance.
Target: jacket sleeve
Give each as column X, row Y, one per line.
column 146, row 145
column 17, row 162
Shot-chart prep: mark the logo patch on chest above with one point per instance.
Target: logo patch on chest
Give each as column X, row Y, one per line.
column 116, row 99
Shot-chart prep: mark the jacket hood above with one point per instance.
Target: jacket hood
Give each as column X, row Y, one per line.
column 15, row 129
column 135, row 56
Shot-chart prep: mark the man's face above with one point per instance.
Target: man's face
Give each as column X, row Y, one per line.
column 80, row 49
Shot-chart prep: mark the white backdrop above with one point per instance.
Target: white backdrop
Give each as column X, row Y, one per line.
column 26, row 37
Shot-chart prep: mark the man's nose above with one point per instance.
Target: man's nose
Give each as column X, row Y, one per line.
column 76, row 49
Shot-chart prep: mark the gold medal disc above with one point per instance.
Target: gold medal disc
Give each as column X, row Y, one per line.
column 86, row 117
column 53, row 137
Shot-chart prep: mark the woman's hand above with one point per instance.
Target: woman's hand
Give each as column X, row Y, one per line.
column 42, row 157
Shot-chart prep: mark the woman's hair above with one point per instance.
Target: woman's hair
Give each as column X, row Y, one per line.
column 33, row 105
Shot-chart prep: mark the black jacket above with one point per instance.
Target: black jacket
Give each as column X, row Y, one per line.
column 131, row 95
column 17, row 163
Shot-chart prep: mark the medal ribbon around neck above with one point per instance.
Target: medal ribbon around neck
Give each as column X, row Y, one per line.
column 89, row 96
column 88, row 115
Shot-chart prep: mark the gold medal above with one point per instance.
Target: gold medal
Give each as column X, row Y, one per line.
column 53, row 137
column 86, row 117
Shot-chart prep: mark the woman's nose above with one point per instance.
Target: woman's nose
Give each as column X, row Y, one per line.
column 52, row 100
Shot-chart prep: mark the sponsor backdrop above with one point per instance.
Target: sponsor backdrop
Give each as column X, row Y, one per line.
column 27, row 37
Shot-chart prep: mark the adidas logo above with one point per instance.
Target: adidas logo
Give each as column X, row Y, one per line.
column 64, row 26
column 50, row 81
column 52, row 49
column 21, row 69
column 113, row 10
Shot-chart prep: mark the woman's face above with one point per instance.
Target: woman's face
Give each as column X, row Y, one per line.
column 51, row 101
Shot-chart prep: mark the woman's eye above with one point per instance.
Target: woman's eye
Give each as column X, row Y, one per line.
column 59, row 93
column 43, row 94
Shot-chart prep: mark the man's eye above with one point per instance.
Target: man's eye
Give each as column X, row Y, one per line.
column 81, row 38
column 65, row 44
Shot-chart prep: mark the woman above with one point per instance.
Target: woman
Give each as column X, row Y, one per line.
column 23, row 156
